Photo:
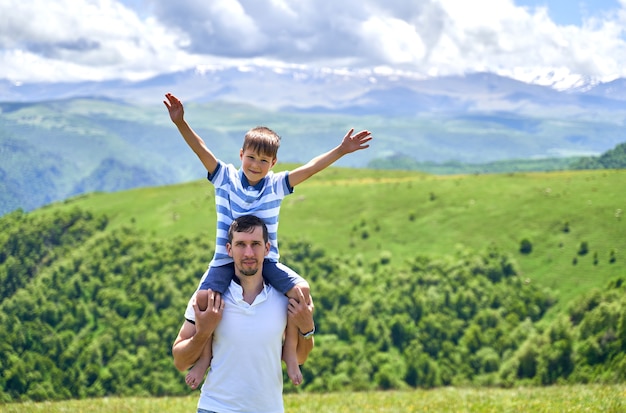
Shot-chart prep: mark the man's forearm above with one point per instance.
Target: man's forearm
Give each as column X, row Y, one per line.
column 186, row 351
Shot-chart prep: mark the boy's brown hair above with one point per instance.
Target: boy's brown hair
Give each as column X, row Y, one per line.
column 262, row 140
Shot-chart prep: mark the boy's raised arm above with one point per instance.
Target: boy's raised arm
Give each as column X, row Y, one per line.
column 195, row 142
column 349, row 144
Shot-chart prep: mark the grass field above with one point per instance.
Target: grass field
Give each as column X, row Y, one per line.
column 401, row 213
column 589, row 398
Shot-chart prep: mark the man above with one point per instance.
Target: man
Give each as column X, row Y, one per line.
column 246, row 371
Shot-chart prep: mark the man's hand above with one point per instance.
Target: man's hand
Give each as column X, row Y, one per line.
column 208, row 308
column 301, row 313
column 175, row 108
column 192, row 338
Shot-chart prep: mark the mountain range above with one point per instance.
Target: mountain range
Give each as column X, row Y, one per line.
column 65, row 139
column 304, row 88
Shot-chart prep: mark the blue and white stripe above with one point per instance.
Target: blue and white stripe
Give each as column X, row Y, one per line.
column 234, row 197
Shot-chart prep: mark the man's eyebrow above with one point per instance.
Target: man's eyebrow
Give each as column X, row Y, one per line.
column 239, row 242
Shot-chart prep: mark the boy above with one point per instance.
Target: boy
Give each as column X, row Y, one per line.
column 254, row 189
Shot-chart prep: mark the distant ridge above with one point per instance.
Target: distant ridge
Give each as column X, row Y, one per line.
column 63, row 139
column 302, row 87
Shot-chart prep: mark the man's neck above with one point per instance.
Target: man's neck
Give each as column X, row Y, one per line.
column 251, row 285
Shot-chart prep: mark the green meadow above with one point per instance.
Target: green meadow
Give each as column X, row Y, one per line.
column 590, row 398
column 574, row 220
column 570, row 225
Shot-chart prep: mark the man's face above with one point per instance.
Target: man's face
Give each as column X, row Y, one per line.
column 248, row 251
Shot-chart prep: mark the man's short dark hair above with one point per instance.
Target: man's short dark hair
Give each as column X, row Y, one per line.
column 247, row 223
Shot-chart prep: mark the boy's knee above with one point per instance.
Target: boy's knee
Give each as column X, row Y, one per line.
column 202, row 298
column 306, row 290
column 295, row 292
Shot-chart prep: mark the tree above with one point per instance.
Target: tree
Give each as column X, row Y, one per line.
column 525, row 246
column 556, row 356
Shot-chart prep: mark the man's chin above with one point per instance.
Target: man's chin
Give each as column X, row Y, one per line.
column 249, row 273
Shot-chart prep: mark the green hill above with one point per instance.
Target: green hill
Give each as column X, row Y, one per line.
column 419, row 281
column 53, row 150
column 368, row 212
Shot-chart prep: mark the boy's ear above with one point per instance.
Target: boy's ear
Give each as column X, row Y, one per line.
column 274, row 162
column 241, row 153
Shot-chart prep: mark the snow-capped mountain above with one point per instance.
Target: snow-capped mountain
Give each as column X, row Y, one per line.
column 384, row 92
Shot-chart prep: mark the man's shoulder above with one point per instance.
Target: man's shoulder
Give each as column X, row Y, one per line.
column 274, row 294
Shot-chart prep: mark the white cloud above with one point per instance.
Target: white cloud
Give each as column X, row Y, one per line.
column 82, row 39
column 393, row 41
column 104, row 39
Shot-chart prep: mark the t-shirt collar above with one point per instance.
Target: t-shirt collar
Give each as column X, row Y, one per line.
column 236, row 291
column 245, row 183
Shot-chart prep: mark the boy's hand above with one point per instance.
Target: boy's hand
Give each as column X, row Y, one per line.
column 357, row 142
column 175, row 107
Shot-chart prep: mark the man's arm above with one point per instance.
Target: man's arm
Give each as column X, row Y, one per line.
column 302, row 316
column 195, row 142
column 191, row 338
column 188, row 346
column 348, row 145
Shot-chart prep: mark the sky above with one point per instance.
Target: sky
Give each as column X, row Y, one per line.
column 557, row 42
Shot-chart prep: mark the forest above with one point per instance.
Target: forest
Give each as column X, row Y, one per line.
column 91, row 311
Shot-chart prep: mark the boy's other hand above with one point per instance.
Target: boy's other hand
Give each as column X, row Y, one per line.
column 352, row 143
column 174, row 107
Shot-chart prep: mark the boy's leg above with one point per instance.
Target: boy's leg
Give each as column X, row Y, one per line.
column 288, row 282
column 218, row 278
column 198, row 370
column 290, row 355
column 285, row 280
column 292, row 334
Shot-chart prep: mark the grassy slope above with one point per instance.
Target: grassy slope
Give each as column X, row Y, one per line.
column 335, row 208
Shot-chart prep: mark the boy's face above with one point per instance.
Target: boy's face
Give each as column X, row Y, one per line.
column 255, row 165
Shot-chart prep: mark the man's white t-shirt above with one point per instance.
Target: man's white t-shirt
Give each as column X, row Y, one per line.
column 246, row 371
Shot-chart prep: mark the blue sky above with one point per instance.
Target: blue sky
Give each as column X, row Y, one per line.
column 557, row 43
column 572, row 12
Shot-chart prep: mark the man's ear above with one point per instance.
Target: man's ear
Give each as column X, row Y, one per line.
column 268, row 246
column 229, row 248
